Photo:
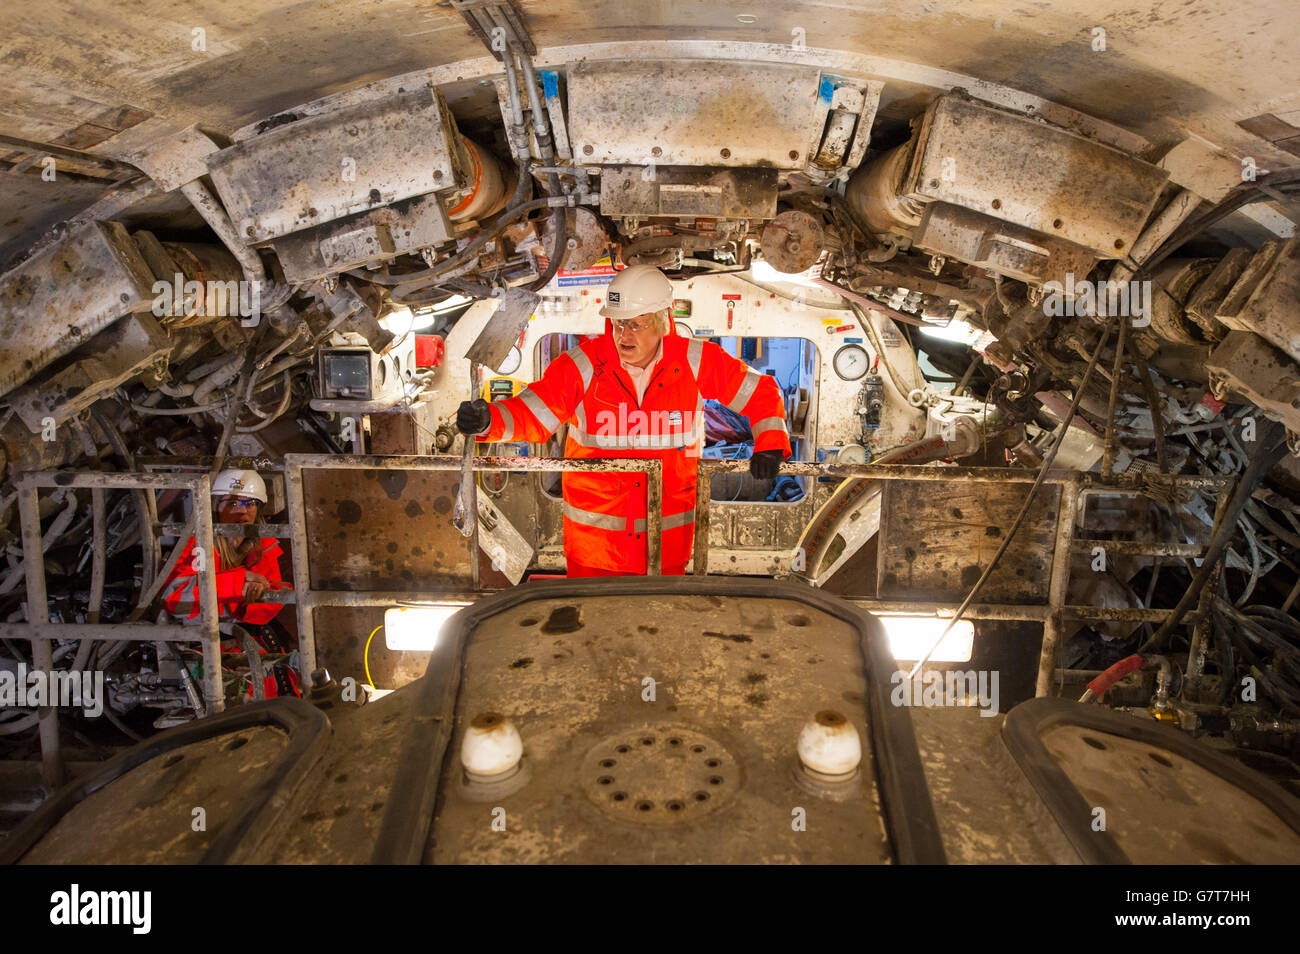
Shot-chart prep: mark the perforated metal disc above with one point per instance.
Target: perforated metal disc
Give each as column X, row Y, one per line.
column 659, row 775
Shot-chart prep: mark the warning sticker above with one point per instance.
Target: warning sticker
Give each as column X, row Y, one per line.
column 601, row 273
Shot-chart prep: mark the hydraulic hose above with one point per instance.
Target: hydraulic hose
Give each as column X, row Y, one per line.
column 559, row 248
column 1271, row 448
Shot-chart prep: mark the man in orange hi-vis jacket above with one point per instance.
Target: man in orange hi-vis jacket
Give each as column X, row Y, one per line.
column 636, row 391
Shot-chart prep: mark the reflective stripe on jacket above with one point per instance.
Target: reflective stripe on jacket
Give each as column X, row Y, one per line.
column 181, row 591
column 588, row 389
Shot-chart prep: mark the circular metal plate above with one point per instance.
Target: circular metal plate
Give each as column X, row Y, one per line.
column 792, row 242
column 659, row 775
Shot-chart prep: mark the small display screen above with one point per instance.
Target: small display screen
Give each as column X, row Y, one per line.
column 347, row 374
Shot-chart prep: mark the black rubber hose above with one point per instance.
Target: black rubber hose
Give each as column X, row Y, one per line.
column 559, row 248
column 1285, row 620
column 1271, row 448
column 1227, row 660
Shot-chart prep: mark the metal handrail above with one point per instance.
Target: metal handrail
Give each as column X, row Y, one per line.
column 40, row 630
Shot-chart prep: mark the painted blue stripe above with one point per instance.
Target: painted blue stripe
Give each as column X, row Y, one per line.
column 826, row 90
column 550, row 83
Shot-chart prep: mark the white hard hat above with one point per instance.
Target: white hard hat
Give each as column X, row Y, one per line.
column 637, row 290
column 239, row 483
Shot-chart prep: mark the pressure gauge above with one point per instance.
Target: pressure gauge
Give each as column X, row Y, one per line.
column 683, row 329
column 851, row 362
column 511, row 363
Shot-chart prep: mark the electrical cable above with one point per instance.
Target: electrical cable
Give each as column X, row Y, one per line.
column 1271, row 449
column 1249, row 533
column 365, row 654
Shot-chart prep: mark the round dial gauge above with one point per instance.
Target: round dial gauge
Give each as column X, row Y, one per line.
column 683, row 329
column 511, row 363
column 851, row 362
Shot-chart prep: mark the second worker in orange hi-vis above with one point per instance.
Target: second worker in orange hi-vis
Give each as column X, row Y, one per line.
column 636, row 391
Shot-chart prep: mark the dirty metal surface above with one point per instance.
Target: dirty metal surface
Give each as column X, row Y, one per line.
column 988, row 813
column 336, row 818
column 158, row 798
column 1163, row 808
column 243, row 766
column 793, row 241
column 1246, row 364
column 503, row 328
column 695, row 113
column 273, row 56
column 937, row 537
column 986, row 242
column 1263, row 299
column 1167, row 797
column 319, row 169
column 383, row 529
column 94, row 276
column 1043, row 178
column 659, row 774
column 366, row 237
column 735, row 677
column 848, row 518
column 116, row 354
column 684, row 190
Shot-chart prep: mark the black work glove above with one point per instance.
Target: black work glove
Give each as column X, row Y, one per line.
column 473, row 417
column 763, row 465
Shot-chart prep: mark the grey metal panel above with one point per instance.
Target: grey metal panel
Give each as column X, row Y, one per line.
column 112, row 358
column 727, row 193
column 325, row 167
column 987, row 242
column 1027, row 172
column 695, row 113
column 360, row 239
column 56, row 300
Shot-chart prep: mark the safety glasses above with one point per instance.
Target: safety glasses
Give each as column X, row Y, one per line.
column 237, row 503
column 634, row 325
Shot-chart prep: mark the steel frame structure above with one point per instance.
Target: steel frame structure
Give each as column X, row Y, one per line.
column 306, row 599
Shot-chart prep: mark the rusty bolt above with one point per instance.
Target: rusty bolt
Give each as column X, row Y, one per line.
column 248, row 231
column 794, row 153
column 726, row 153
column 587, row 150
column 996, row 203
column 437, row 173
column 1119, row 243
column 656, row 151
